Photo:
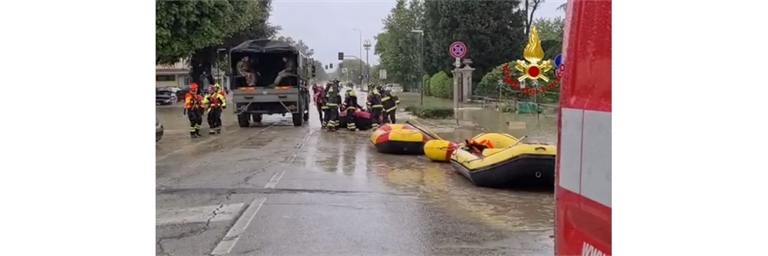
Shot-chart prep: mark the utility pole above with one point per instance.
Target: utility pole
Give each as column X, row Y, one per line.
column 421, row 65
column 360, row 34
column 367, row 45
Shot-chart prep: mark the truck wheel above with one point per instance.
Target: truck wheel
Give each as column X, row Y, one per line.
column 306, row 112
column 298, row 118
column 242, row 120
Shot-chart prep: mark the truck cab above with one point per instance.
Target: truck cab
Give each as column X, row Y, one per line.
column 583, row 172
column 279, row 72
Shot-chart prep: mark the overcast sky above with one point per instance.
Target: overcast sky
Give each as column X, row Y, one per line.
column 328, row 26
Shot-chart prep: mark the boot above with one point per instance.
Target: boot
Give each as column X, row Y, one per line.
column 197, row 132
column 218, row 130
column 192, row 135
column 211, row 130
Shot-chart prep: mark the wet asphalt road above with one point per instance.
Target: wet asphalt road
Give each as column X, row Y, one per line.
column 277, row 189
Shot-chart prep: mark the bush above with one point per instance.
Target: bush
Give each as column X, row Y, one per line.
column 431, row 112
column 441, row 85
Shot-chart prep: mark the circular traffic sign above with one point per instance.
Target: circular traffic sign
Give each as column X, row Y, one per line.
column 558, row 60
column 458, row 49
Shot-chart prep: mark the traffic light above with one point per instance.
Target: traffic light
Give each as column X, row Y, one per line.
column 330, row 65
column 341, row 55
column 313, row 71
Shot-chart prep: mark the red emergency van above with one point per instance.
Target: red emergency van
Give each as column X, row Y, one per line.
column 583, row 192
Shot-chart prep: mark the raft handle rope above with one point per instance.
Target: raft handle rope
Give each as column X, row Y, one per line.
column 510, row 146
column 422, row 128
column 538, row 174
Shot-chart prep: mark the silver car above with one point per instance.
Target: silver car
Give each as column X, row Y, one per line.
column 158, row 130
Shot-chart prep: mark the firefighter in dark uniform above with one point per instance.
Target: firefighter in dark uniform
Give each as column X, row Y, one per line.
column 215, row 101
column 332, row 101
column 350, row 102
column 390, row 102
column 375, row 106
column 193, row 109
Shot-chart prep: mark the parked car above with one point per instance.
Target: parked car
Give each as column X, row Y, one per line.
column 165, row 97
column 159, row 130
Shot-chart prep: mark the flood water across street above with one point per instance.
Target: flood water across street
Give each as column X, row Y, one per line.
column 277, row 189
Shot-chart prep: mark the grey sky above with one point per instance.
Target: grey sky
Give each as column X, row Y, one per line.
column 327, row 26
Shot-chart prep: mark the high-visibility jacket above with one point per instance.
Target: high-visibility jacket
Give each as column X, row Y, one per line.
column 374, row 99
column 389, row 101
column 193, row 101
column 215, row 100
column 332, row 97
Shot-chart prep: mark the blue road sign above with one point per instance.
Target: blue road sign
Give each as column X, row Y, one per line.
column 559, row 60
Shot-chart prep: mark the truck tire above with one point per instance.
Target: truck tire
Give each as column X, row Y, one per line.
column 306, row 111
column 242, row 120
column 298, row 118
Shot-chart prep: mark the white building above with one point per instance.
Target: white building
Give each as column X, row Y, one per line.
column 177, row 75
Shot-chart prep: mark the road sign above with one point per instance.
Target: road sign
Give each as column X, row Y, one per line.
column 458, row 49
column 344, row 70
column 382, row 74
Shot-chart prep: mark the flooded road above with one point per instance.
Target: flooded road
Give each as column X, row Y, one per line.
column 284, row 190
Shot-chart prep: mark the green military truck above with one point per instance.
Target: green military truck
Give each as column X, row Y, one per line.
column 269, row 77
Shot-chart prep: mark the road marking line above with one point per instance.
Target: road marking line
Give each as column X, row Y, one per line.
column 293, row 157
column 230, row 239
column 300, row 145
column 274, row 180
column 197, row 214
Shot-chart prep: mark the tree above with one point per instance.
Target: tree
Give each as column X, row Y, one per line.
column 300, row 45
column 398, row 47
column 492, row 30
column 320, row 73
column 353, row 70
column 197, row 29
column 530, row 7
column 563, row 6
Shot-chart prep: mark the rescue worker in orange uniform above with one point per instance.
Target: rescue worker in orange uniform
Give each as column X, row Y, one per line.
column 193, row 109
column 215, row 101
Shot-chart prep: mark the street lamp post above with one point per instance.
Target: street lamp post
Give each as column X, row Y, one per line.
column 367, row 45
column 360, row 35
column 421, row 64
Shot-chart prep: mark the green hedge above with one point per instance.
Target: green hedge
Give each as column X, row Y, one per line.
column 441, row 85
column 431, row 112
column 489, row 86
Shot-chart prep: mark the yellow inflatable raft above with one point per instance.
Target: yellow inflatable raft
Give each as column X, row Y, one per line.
column 439, row 150
column 399, row 139
column 504, row 161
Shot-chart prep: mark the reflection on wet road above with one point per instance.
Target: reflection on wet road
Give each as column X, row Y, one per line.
column 285, row 190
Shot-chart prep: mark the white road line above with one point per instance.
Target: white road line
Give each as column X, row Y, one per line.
column 275, row 179
column 197, row 214
column 293, row 157
column 230, row 239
